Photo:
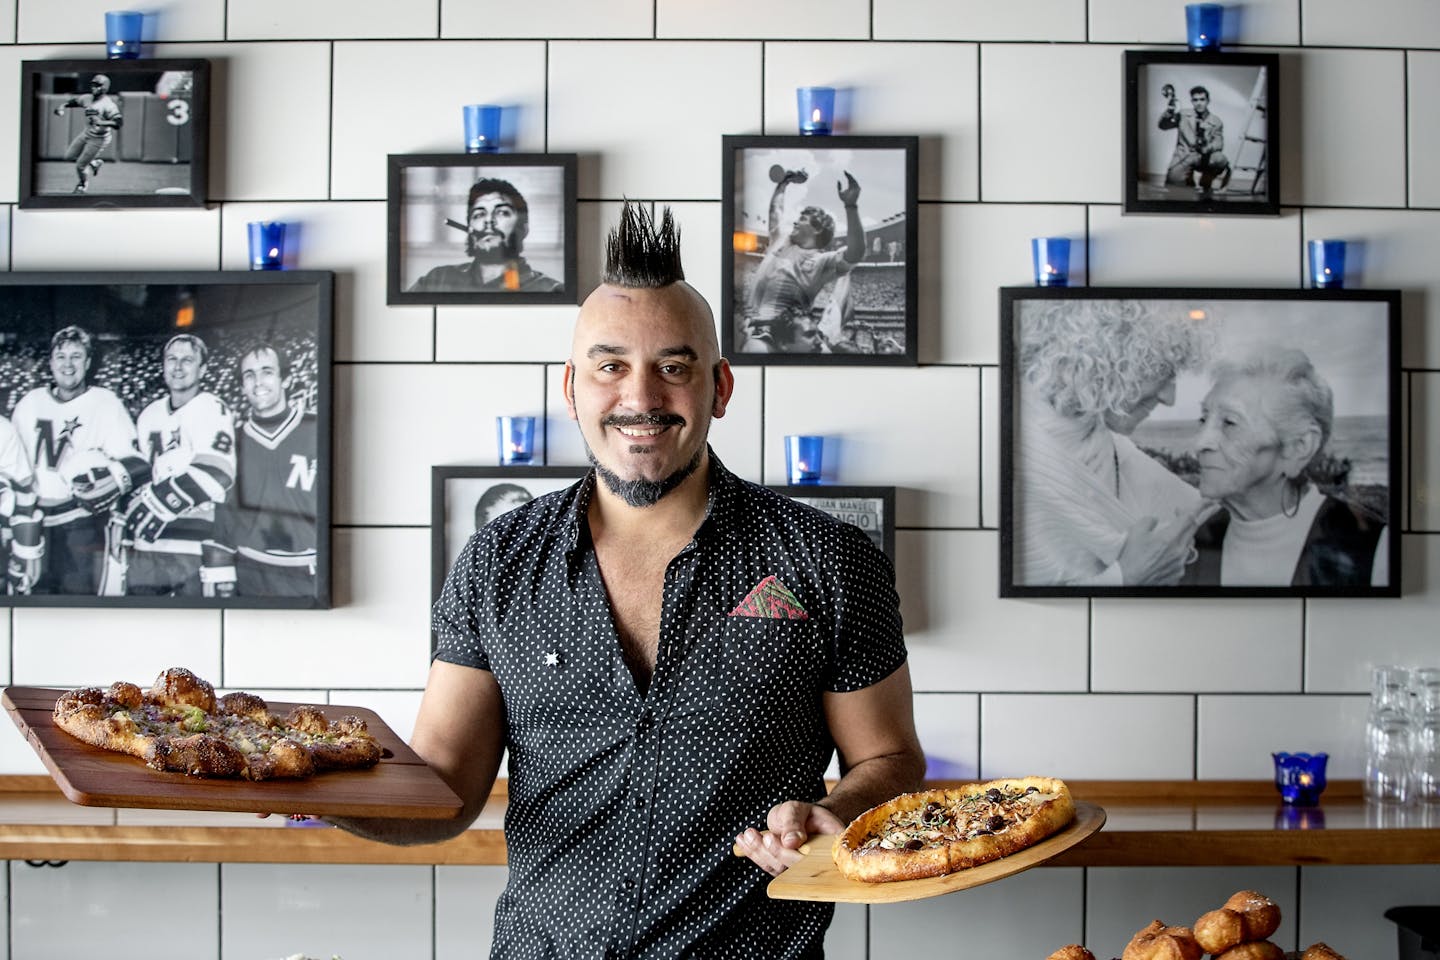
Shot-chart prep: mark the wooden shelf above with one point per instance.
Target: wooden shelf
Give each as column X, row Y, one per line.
column 1150, row 823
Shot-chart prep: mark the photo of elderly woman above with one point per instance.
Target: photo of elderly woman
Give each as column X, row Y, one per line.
column 1185, row 442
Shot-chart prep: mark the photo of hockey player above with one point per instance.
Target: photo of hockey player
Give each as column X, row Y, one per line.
column 180, row 397
column 264, row 542
column 114, row 133
column 189, row 437
column 20, row 529
column 80, row 439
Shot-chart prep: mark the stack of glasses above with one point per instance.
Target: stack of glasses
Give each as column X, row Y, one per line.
column 1402, row 756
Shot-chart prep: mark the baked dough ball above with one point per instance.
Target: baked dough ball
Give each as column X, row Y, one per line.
column 1259, row 916
column 1253, row 950
column 1219, row 930
column 1321, row 951
column 1159, row 942
column 1071, row 951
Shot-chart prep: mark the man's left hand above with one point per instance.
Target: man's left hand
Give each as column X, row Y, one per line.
column 849, row 191
column 788, row 826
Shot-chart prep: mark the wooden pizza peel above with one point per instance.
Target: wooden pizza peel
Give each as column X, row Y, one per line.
column 400, row 785
column 816, row 878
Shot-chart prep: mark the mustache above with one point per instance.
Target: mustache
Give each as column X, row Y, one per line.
column 643, row 420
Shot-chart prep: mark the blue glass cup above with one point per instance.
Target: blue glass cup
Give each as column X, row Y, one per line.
column 1327, row 264
column 1300, row 777
column 1052, row 261
column 267, row 245
column 1202, row 25
column 816, row 106
column 482, row 128
column 515, row 437
column 122, row 34
column 804, row 458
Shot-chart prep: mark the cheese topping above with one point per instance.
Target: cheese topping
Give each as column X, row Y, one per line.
column 937, row 824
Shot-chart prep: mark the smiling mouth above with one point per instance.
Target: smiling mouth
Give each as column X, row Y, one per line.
column 639, row 432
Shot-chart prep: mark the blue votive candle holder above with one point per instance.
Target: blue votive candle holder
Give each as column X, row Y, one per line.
column 816, row 106
column 482, row 128
column 122, row 34
column 1202, row 25
column 1300, row 777
column 804, row 457
column 515, row 437
column 1327, row 264
column 267, row 245
column 1052, row 261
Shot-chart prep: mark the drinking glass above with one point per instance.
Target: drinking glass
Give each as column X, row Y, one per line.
column 1389, row 731
column 1425, row 763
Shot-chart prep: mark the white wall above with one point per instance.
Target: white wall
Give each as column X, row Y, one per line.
column 1017, row 105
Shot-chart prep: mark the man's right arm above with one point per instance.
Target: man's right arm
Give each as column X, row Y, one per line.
column 460, row 733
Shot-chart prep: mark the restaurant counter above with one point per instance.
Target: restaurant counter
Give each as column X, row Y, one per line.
column 1149, row 823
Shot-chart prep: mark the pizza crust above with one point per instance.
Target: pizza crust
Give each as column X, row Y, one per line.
column 179, row 725
column 1032, row 809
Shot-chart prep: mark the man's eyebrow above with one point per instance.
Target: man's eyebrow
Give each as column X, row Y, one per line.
column 605, row 350
column 684, row 350
column 611, row 350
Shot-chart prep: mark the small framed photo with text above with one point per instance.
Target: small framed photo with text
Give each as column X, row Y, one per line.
column 114, row 133
column 872, row 509
column 1199, row 442
column 820, row 261
column 481, row 228
column 1202, row 133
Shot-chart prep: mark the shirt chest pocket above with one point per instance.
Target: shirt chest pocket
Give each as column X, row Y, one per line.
column 769, row 664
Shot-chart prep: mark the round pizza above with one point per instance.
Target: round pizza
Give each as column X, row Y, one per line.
column 180, row 725
column 935, row 832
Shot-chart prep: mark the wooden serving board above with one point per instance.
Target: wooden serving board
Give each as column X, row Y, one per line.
column 400, row 785
column 816, row 878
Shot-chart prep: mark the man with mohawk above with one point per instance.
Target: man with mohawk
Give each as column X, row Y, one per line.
column 669, row 653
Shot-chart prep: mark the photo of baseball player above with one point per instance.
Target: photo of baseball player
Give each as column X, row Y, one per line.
column 128, row 129
column 265, row 536
column 102, row 119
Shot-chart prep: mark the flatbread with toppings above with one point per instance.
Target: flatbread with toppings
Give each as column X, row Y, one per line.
column 935, row 832
column 179, row 724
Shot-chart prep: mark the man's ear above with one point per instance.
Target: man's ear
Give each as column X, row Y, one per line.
column 567, row 384
column 724, row 388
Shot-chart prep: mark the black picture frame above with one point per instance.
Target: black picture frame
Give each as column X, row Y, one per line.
column 1242, row 93
column 453, row 486
column 158, row 156
column 427, row 210
column 871, row 508
column 873, row 321
column 262, row 540
column 1074, row 481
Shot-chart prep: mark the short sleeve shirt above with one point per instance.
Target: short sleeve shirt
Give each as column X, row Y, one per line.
column 622, row 807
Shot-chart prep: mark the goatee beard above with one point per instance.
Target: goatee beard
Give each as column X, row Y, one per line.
column 643, row 493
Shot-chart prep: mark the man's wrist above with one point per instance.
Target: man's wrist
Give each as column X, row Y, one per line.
column 852, row 206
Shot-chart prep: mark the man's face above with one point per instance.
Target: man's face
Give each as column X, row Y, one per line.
column 804, row 233
column 805, row 337
column 642, row 384
column 495, row 229
column 183, row 367
column 261, row 383
column 69, row 362
column 1201, row 103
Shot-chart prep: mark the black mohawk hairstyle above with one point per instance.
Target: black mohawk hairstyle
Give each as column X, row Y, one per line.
column 639, row 255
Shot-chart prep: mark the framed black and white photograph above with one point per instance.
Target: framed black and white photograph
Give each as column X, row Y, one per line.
column 481, row 228
column 821, row 262
column 872, row 509
column 165, row 439
column 1202, row 133
column 464, row 499
column 114, row 133
column 1199, row 442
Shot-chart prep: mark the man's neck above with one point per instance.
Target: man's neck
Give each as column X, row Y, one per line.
column 677, row 515
column 490, row 272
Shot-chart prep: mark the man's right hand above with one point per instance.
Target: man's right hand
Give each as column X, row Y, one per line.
column 795, row 176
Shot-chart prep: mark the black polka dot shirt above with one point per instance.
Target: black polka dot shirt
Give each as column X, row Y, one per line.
column 623, row 806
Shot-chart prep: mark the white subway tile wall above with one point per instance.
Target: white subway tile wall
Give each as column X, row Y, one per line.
column 1017, row 107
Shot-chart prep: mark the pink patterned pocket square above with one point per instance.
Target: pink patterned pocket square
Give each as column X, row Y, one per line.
column 771, row 598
